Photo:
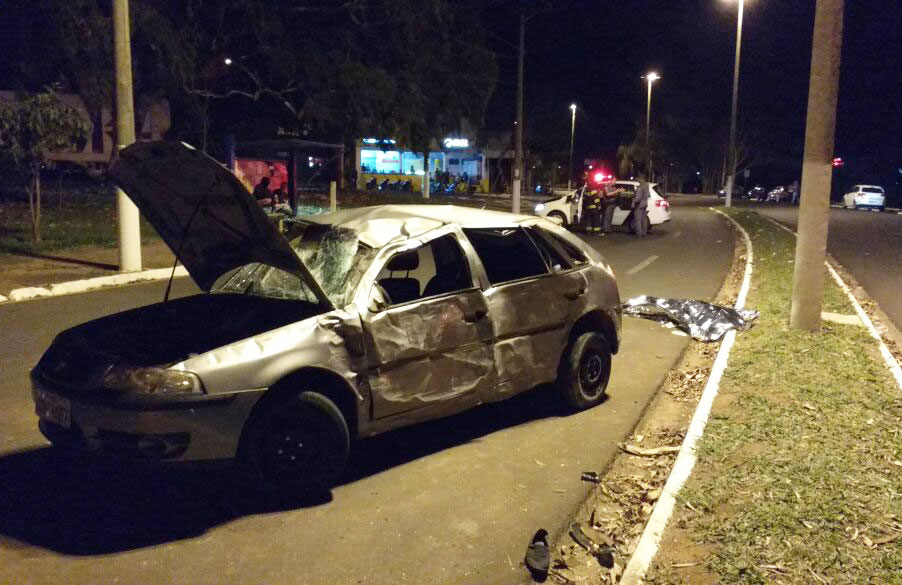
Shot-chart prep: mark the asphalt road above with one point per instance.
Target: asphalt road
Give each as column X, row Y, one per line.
column 867, row 244
column 451, row 501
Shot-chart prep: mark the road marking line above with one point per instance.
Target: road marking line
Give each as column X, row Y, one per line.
column 677, row 234
column 650, row 540
column 641, row 265
column 888, row 358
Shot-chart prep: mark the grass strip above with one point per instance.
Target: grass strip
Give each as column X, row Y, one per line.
column 800, row 469
column 78, row 220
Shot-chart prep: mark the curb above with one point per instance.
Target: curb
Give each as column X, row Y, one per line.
column 650, row 541
column 80, row 286
column 888, row 358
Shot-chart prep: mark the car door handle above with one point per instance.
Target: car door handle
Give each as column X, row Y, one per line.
column 474, row 316
column 576, row 293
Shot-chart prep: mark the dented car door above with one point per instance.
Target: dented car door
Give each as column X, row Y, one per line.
column 531, row 302
column 428, row 331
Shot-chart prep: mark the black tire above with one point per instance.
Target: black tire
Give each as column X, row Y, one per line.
column 293, row 446
column 628, row 222
column 585, row 371
column 559, row 216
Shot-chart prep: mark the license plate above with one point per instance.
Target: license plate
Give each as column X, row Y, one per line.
column 53, row 408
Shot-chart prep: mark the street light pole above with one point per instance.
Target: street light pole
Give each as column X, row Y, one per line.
column 518, row 132
column 572, row 134
column 651, row 78
column 129, row 224
column 731, row 148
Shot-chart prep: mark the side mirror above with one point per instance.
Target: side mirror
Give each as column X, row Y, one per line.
column 379, row 300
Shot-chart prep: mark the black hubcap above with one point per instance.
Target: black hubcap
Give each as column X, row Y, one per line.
column 590, row 374
column 287, row 450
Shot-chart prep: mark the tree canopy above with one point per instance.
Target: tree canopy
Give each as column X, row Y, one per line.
column 329, row 69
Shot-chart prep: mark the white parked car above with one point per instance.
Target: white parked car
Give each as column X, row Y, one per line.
column 866, row 197
column 568, row 210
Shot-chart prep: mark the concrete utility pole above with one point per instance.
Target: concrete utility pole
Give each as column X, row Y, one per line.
column 650, row 78
column 129, row 224
column 572, row 134
column 731, row 148
column 814, row 208
column 518, row 131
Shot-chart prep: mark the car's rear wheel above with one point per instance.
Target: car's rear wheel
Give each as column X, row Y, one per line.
column 559, row 216
column 585, row 371
column 294, row 445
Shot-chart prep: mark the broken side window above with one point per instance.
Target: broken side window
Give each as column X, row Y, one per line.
column 507, row 254
column 438, row 267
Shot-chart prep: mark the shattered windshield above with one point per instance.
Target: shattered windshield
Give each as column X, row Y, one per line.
column 333, row 255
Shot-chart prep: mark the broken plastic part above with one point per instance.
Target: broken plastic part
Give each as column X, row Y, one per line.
column 703, row 321
column 591, row 476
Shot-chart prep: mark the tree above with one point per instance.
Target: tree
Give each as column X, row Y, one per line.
column 31, row 127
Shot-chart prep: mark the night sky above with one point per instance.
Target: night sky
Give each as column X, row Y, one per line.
column 594, row 52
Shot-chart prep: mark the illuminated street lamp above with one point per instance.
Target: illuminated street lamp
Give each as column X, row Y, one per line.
column 572, row 134
column 227, row 61
column 651, row 78
column 731, row 149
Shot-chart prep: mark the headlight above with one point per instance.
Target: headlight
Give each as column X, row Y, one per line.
column 540, row 207
column 152, row 381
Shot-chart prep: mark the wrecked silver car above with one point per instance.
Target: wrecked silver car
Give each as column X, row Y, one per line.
column 351, row 324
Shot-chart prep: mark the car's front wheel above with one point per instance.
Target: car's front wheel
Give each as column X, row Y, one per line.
column 293, row 445
column 558, row 215
column 585, row 371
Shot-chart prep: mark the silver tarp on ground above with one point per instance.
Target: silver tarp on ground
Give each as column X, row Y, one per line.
column 703, row 321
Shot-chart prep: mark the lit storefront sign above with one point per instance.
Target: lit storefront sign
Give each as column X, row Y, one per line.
column 457, row 143
column 379, row 141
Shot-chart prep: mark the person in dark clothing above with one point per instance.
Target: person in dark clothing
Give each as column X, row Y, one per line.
column 593, row 204
column 261, row 192
column 608, row 205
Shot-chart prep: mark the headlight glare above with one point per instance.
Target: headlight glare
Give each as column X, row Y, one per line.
column 540, row 207
column 152, row 380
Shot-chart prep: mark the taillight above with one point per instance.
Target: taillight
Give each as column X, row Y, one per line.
column 661, row 203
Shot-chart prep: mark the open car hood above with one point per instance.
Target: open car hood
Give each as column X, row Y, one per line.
column 203, row 213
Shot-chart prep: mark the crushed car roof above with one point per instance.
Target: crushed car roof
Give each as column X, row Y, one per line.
column 377, row 226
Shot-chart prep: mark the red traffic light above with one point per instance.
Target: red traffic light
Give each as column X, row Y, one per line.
column 838, row 162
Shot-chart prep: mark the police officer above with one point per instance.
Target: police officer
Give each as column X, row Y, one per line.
column 640, row 206
column 609, row 205
column 593, row 201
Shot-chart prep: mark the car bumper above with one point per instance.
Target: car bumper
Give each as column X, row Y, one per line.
column 869, row 204
column 187, row 428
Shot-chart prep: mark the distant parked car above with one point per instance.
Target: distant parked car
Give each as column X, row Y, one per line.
column 865, row 197
column 758, row 193
column 738, row 190
column 779, row 194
